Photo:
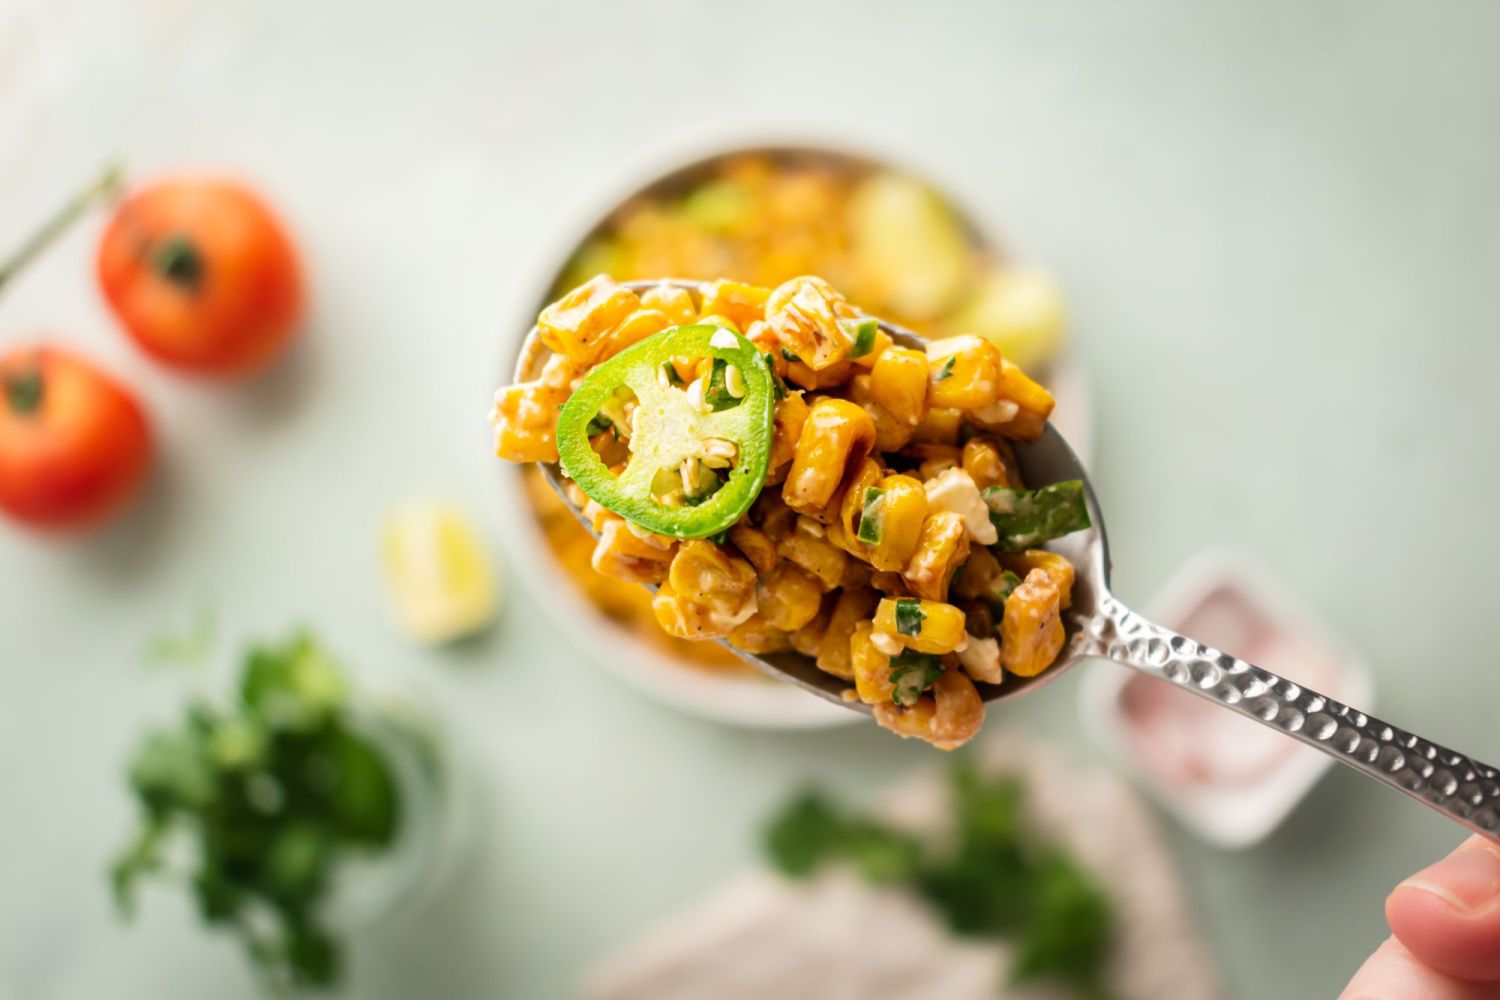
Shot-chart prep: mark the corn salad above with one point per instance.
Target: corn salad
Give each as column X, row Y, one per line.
column 877, row 544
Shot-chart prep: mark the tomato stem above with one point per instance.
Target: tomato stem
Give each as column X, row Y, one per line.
column 24, row 390
column 107, row 183
column 179, row 262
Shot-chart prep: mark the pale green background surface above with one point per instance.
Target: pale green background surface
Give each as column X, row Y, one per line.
column 1279, row 227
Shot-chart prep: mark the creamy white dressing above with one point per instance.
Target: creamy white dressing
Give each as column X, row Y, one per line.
column 999, row 412
column 955, row 491
column 981, row 659
column 1001, row 501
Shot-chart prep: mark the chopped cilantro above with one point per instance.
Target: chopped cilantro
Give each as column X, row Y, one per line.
column 1003, row 585
column 1026, row 518
column 909, row 616
column 871, row 516
column 861, row 334
column 789, row 356
column 913, row 673
column 717, row 396
column 947, row 370
column 600, row 425
column 777, row 385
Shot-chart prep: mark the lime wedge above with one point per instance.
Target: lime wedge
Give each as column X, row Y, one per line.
column 437, row 573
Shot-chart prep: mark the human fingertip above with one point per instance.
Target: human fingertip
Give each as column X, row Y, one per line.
column 1468, row 880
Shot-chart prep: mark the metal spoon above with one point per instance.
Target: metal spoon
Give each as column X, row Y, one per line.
column 1100, row 627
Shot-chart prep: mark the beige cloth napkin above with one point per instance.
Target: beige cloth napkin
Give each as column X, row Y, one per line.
column 836, row 938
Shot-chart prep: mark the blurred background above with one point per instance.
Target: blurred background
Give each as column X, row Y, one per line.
column 1252, row 246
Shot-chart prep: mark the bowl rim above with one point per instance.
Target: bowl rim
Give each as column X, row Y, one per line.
column 737, row 700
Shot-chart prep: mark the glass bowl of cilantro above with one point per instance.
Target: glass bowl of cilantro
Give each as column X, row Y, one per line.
column 292, row 812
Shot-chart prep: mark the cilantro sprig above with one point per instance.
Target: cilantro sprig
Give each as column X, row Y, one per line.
column 996, row 876
column 272, row 790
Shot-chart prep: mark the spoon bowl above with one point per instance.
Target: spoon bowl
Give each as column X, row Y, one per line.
column 1099, row 626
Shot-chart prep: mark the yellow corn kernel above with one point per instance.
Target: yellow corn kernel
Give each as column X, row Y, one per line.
column 739, row 303
column 579, row 323
column 438, row 574
column 934, row 459
column 834, row 530
column 890, row 434
column 1055, row 566
column 756, row 635
column 990, row 463
column 621, row 554
column 903, row 509
column 613, row 451
column 809, row 637
column 835, row 438
column 889, row 583
column 755, row 545
column 881, row 344
column 898, row 382
column 799, row 373
column 1019, row 411
column 773, row 516
column 560, row 372
column 857, row 573
column 872, row 668
column 791, row 415
column 708, row 592
column 976, row 578
column 789, row 597
column 1034, row 404
column 940, row 425
column 1031, row 632
column 675, row 303
column 525, row 421
column 804, row 313
column 1020, row 310
column 942, row 548
column 947, row 718
column 852, row 505
column 808, row 546
column 596, row 515
column 962, row 372
column 851, row 608
column 939, row 627
column 637, row 327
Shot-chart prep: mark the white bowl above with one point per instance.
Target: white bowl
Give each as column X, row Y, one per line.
column 738, row 699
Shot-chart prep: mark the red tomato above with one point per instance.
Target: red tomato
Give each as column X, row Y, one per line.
column 202, row 275
column 74, row 443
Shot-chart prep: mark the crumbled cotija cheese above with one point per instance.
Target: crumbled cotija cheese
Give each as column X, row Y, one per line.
column 954, row 490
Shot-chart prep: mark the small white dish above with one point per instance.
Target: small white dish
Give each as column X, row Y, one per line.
column 1229, row 780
